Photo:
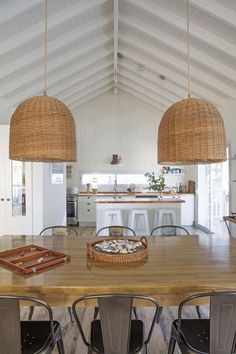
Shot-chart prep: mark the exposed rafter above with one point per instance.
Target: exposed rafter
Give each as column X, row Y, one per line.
column 116, row 31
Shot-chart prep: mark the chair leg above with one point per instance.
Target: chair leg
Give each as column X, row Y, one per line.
column 172, row 343
column 71, row 314
column 31, row 311
column 60, row 346
column 198, row 311
column 96, row 310
column 159, row 314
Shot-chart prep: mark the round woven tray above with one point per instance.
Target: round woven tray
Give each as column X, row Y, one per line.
column 102, row 256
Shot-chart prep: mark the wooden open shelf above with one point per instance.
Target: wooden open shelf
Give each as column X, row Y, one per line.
column 31, row 258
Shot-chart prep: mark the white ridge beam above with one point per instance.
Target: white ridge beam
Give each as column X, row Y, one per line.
column 116, row 31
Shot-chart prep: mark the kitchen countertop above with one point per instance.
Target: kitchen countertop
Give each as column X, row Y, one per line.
column 124, row 194
column 139, row 200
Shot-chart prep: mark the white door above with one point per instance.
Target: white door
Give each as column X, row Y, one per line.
column 212, row 196
column 16, row 193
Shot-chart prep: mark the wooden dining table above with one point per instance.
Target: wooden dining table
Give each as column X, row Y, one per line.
column 176, row 267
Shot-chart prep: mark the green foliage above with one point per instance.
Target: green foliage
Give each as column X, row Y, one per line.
column 155, row 184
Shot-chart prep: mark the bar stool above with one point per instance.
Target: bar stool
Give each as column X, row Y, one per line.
column 112, row 217
column 139, row 222
column 165, row 217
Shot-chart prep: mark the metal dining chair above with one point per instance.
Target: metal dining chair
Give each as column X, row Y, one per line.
column 115, row 331
column 27, row 337
column 57, row 230
column 116, row 230
column 169, row 230
column 214, row 335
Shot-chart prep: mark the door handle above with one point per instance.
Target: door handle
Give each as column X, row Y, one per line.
column 2, row 199
column 8, row 199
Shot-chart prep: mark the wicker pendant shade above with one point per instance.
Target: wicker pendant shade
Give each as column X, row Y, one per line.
column 191, row 132
column 42, row 129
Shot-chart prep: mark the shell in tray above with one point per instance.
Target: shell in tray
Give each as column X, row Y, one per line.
column 122, row 250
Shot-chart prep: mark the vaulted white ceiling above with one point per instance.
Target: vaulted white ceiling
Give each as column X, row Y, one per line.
column 100, row 45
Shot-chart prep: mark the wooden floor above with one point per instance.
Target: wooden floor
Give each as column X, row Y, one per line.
column 160, row 339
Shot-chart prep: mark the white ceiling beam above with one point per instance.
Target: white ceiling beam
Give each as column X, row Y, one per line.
column 16, row 8
column 116, row 34
column 66, row 14
column 61, row 41
column 197, row 31
column 173, row 76
column 173, row 42
column 154, row 77
column 166, row 100
column 86, row 91
column 35, row 89
column 91, row 96
column 82, row 84
column 214, row 8
column 61, row 87
column 68, row 68
column 144, row 91
column 138, row 95
column 204, row 78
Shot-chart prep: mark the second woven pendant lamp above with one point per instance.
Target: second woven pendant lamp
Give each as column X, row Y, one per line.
column 192, row 130
column 42, row 127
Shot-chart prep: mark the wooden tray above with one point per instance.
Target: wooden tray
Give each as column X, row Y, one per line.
column 101, row 256
column 31, row 258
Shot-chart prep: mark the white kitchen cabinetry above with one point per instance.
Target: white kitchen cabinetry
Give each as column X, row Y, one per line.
column 187, row 209
column 87, row 210
column 15, row 191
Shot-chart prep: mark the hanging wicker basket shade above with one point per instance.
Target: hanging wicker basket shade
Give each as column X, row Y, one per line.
column 190, row 132
column 42, row 129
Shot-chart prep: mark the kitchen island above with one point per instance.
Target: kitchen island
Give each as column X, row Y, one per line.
column 126, row 204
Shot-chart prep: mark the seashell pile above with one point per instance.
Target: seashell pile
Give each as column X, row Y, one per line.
column 118, row 246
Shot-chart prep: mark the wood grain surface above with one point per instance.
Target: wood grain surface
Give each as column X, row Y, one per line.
column 176, row 267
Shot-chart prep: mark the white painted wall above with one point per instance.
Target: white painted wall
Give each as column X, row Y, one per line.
column 119, row 124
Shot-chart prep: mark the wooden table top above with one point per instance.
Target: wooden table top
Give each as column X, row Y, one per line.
column 176, row 267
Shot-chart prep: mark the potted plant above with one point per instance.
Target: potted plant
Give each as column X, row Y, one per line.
column 155, row 184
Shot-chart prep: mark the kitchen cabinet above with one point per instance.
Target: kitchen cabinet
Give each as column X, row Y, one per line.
column 15, row 191
column 87, row 210
column 187, row 209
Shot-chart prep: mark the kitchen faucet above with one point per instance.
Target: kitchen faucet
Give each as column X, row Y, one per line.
column 115, row 186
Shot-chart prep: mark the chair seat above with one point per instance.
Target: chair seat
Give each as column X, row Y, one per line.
column 136, row 336
column 36, row 336
column 195, row 334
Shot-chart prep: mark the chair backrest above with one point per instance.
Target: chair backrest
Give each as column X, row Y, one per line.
column 115, row 316
column 10, row 328
column 59, row 230
column 222, row 320
column 116, row 230
column 169, row 230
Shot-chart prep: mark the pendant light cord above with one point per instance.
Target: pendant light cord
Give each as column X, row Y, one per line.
column 188, row 55
column 45, row 47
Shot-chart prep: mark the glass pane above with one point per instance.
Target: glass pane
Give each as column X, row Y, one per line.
column 96, row 179
column 18, row 189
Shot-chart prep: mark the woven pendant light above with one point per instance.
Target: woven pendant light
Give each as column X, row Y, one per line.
column 192, row 130
column 42, row 127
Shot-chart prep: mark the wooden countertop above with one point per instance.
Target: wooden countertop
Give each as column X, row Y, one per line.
column 175, row 268
column 139, row 200
column 122, row 194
